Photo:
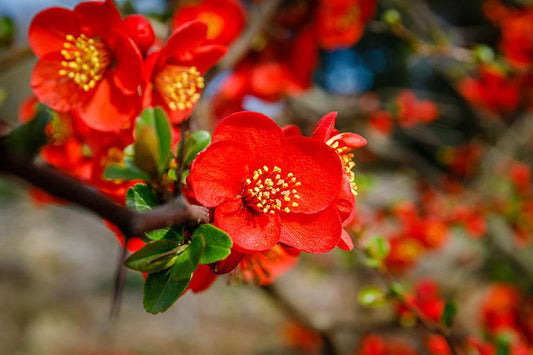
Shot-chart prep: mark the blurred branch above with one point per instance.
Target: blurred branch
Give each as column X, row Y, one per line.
column 329, row 347
column 13, row 56
column 130, row 223
column 257, row 21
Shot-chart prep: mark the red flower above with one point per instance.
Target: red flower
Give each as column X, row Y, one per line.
column 174, row 73
column 493, row 91
column 265, row 268
column 86, row 63
column 517, row 42
column 224, row 19
column 412, row 111
column 381, row 121
column 266, row 188
column 340, row 23
column 342, row 144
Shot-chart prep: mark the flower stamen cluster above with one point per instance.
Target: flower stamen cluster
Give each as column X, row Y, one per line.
column 86, row 59
column 346, row 158
column 269, row 190
column 180, row 86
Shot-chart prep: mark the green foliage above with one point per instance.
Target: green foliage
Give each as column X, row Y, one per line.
column 153, row 142
column 187, row 261
column 155, row 256
column 372, row 296
column 141, row 198
column 194, row 144
column 217, row 243
column 161, row 291
column 377, row 249
column 28, row 138
column 119, row 172
column 450, row 310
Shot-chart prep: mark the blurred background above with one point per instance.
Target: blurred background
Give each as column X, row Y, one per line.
column 441, row 89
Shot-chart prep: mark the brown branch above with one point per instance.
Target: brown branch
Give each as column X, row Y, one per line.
column 257, row 22
column 130, row 223
column 292, row 312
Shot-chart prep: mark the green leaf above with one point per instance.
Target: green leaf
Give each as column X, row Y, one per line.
column 217, row 243
column 27, row 140
column 154, row 256
column 372, row 296
column 119, row 172
column 378, row 247
column 450, row 309
column 153, row 141
column 187, row 261
column 161, row 291
column 170, row 233
column 141, row 198
column 194, row 144
column 162, row 127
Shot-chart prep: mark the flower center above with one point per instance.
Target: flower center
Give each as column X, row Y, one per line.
column 270, row 190
column 180, row 86
column 85, row 60
column 347, row 162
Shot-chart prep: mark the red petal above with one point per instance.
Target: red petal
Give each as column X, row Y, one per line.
column 350, row 140
column 207, row 56
column 325, row 127
column 49, row 28
column 184, row 40
column 312, row 233
column 56, row 91
column 227, row 265
column 319, row 170
column 345, row 202
column 202, row 278
column 346, row 242
column 98, row 18
column 128, row 71
column 259, row 134
column 218, row 172
column 109, row 109
column 291, row 131
column 249, row 230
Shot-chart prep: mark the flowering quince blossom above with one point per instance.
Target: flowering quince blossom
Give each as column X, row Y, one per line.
column 342, row 144
column 87, row 63
column 224, row 19
column 266, row 188
column 174, row 74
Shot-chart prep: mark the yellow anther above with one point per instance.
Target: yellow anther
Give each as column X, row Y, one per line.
column 86, row 59
column 180, row 86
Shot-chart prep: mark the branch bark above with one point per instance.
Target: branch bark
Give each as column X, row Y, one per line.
column 130, row 223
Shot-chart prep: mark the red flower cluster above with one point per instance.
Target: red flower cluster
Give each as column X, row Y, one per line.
column 408, row 111
column 224, row 19
column 425, row 298
column 92, row 63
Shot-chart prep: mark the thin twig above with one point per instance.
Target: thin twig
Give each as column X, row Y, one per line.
column 118, row 286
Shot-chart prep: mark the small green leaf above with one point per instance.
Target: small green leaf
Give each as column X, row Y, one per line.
column 372, row 296
column 450, row 309
column 187, row 261
column 378, row 247
column 194, row 144
column 154, row 256
column 161, row 291
column 170, row 233
column 141, row 198
column 217, row 243
column 162, row 127
column 28, row 139
column 153, row 141
column 118, row 172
